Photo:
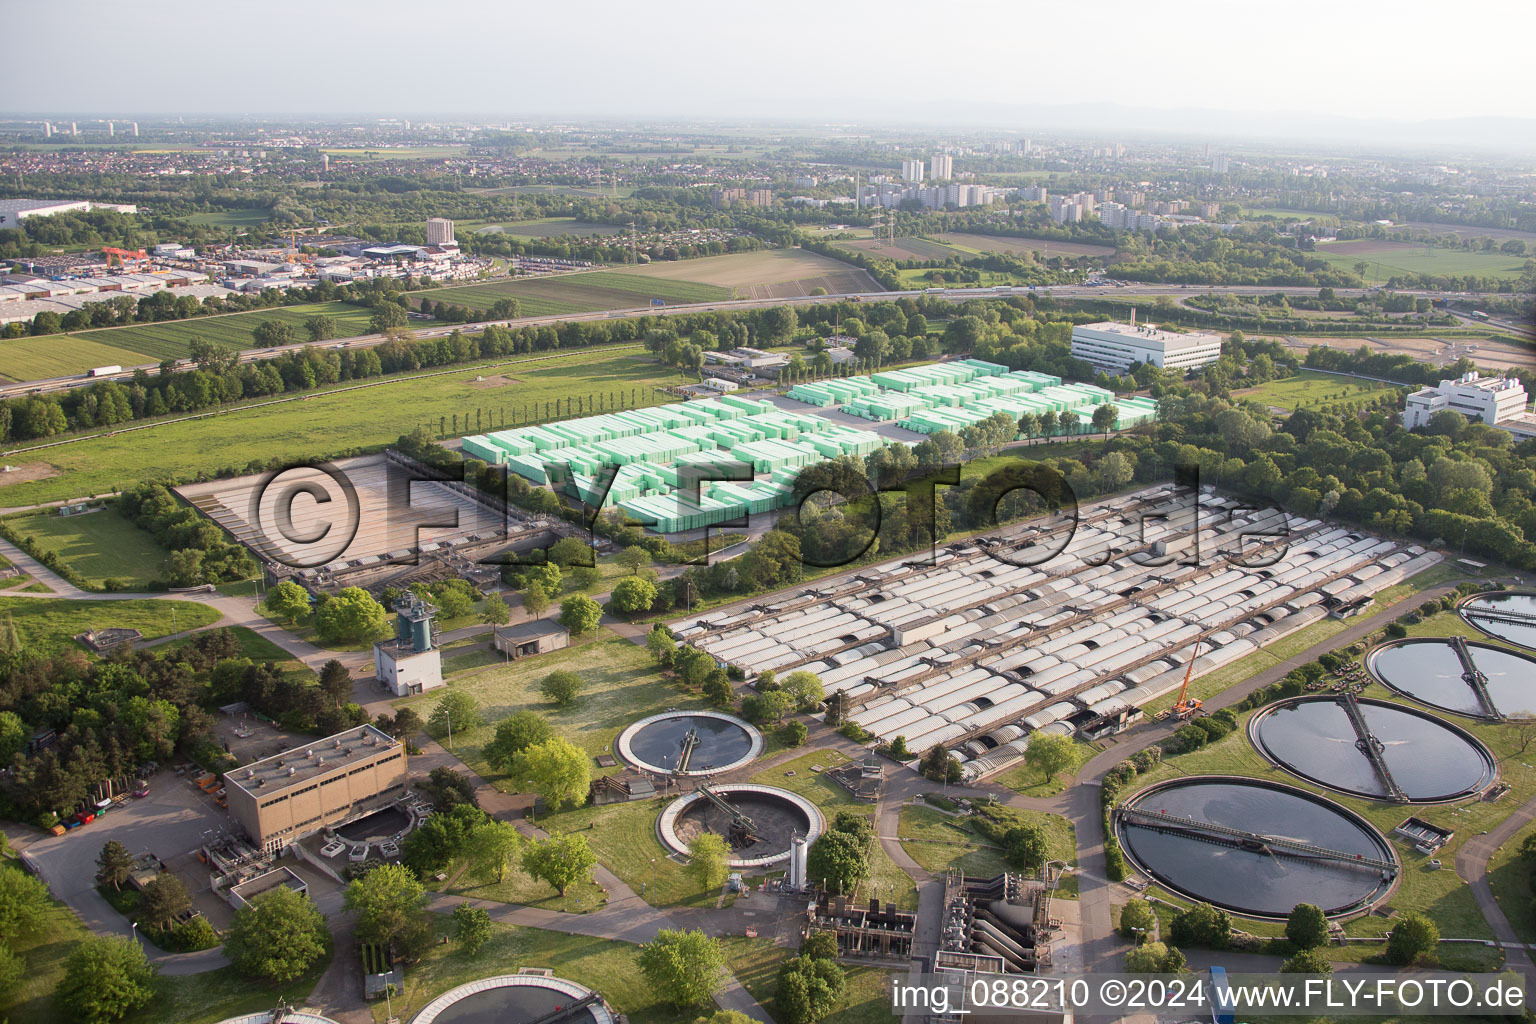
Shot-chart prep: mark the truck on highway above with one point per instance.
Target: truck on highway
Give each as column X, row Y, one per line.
column 103, row 371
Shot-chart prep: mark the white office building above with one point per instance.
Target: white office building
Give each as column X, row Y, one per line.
column 943, row 167
column 1116, row 347
column 1497, row 401
column 911, row 170
column 439, row 231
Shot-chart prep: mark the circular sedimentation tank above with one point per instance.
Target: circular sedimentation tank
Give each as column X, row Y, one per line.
column 1519, row 627
column 777, row 815
column 1256, row 848
column 719, row 743
column 1429, row 670
column 1315, row 738
column 514, row 999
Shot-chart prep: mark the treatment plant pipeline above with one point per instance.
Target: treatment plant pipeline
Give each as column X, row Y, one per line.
column 1372, row 749
column 1460, row 676
column 1254, row 847
column 1509, row 616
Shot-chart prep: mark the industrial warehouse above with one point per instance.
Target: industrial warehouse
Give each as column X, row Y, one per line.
column 996, row 641
column 669, row 459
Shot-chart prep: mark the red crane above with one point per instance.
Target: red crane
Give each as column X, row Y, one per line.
column 124, row 255
column 1185, row 707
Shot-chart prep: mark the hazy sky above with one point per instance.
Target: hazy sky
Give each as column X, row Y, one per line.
column 826, row 60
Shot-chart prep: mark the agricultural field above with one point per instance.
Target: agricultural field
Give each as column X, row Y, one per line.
column 231, row 218
column 38, row 358
column 548, row 227
column 1391, row 259
column 60, row 355
column 231, row 330
column 1438, row 349
column 769, row 274
column 52, row 623
column 585, row 292
column 344, row 418
column 1311, row 388
column 1013, row 246
column 909, row 248
column 98, row 545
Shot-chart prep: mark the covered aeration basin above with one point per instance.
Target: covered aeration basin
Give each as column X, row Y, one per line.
column 1432, row 671
column 1427, row 759
column 1509, row 616
column 1254, row 847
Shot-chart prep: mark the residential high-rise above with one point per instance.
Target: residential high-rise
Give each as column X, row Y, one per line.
column 943, row 167
column 911, row 170
column 439, row 231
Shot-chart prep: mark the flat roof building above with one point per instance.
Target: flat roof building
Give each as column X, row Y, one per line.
column 1116, row 347
column 410, row 662
column 439, row 230
column 281, row 799
column 537, row 636
column 1496, row 401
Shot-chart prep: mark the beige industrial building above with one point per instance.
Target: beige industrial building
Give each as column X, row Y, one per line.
column 538, row 636
column 282, row 799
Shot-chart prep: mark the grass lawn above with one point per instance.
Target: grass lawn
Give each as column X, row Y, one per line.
column 50, row 624
column 528, row 891
column 889, row 882
column 1392, row 259
column 755, row 963
column 545, row 227
column 342, row 419
column 944, row 842
column 98, row 545
column 1029, row 781
column 231, row 218
column 260, row 650
column 1509, row 875
column 605, row 966
column 1311, row 388
column 187, row 999
column 624, row 838
column 585, row 292
column 464, row 655
column 622, row 684
column 43, row 950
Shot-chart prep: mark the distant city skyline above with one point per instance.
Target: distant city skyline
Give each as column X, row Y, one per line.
column 803, row 61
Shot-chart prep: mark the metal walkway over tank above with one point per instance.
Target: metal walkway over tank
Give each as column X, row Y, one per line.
column 1277, row 845
column 1367, row 743
column 1501, row 615
column 1475, row 678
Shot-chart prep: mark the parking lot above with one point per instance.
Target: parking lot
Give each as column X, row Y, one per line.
column 172, row 822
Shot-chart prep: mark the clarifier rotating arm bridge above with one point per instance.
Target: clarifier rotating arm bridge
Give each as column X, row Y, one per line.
column 1367, row 743
column 1475, row 678
column 1278, row 845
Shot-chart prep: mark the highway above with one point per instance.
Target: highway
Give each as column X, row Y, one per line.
column 1108, row 290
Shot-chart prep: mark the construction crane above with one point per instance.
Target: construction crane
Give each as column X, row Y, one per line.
column 123, row 255
column 1185, row 707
